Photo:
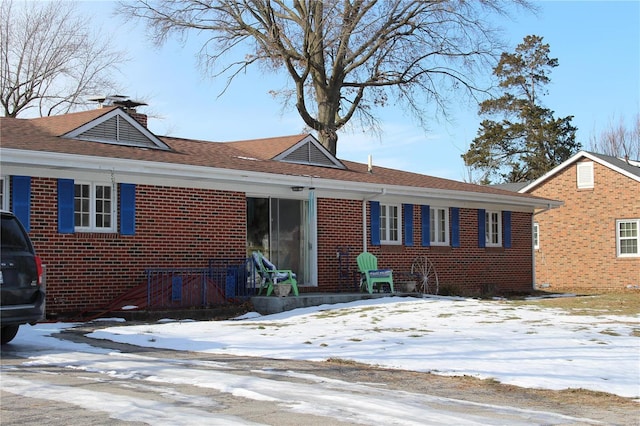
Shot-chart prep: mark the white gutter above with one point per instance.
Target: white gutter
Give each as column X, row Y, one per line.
column 42, row 160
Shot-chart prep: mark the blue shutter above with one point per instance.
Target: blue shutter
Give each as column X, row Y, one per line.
column 455, row 227
column 374, row 207
column 408, row 224
column 127, row 209
column 426, row 225
column 66, row 195
column 482, row 242
column 506, row 222
column 21, row 199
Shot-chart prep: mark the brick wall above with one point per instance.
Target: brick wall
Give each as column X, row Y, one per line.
column 578, row 240
column 464, row 270
column 184, row 227
column 175, row 227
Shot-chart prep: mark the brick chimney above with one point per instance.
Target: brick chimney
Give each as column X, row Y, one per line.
column 140, row 118
column 129, row 106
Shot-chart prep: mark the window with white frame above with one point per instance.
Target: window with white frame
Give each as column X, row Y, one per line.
column 4, row 193
column 584, row 176
column 390, row 223
column 493, row 229
column 536, row 236
column 439, row 226
column 628, row 237
column 93, row 207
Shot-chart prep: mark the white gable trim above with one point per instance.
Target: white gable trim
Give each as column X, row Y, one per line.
column 154, row 141
column 575, row 158
column 309, row 139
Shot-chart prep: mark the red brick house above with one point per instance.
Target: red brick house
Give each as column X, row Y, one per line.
column 104, row 200
column 593, row 240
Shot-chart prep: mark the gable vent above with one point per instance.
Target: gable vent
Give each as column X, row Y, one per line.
column 117, row 130
column 309, row 153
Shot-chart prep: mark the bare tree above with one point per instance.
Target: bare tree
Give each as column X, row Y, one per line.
column 347, row 58
column 50, row 59
column 619, row 140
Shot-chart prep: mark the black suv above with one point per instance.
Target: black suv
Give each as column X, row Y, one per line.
column 21, row 287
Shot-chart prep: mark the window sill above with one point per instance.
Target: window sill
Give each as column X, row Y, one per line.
column 95, row 235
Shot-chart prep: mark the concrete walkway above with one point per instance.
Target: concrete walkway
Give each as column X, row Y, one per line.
column 266, row 305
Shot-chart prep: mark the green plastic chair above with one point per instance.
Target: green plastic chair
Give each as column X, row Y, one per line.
column 270, row 275
column 368, row 267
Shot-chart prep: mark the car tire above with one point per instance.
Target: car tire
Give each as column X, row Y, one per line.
column 9, row 332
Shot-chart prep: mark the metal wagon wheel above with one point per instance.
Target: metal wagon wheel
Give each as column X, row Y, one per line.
column 427, row 277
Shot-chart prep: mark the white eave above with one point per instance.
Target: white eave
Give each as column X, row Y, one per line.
column 43, row 163
column 574, row 159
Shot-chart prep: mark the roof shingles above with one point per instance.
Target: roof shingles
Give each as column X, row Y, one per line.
column 43, row 134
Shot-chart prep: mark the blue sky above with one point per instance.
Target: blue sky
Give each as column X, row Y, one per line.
column 598, row 82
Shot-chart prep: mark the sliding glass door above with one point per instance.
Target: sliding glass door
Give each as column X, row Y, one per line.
column 281, row 229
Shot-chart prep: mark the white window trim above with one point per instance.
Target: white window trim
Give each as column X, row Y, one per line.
column 488, row 243
column 92, row 208
column 536, row 236
column 436, row 230
column 618, row 248
column 4, row 182
column 384, row 238
column 584, row 175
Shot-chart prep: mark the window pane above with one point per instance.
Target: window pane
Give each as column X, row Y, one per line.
column 629, row 247
column 103, row 206
column 81, row 205
column 393, row 223
column 492, row 228
column 487, row 227
column 628, row 229
column 628, row 237
column 383, row 222
column 432, row 225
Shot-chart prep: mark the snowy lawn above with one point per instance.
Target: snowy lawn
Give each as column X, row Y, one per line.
column 527, row 346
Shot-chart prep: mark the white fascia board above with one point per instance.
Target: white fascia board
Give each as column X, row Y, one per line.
column 551, row 172
column 571, row 160
column 117, row 112
column 48, row 164
column 445, row 198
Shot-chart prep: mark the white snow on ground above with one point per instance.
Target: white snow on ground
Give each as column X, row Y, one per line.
column 524, row 346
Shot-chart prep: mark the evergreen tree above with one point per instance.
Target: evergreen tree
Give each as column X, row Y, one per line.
column 529, row 141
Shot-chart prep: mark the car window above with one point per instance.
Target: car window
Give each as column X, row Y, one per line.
column 12, row 235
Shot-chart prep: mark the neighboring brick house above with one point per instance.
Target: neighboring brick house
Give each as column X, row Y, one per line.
column 105, row 199
column 593, row 240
